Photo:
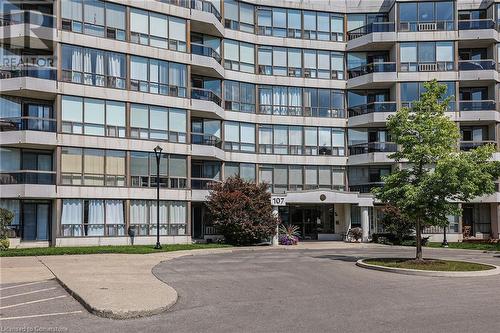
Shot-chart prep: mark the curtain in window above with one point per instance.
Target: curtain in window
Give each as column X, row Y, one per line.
column 72, row 9
column 294, row 96
column 139, row 21
column 76, row 64
column 72, row 213
column 231, row 132
column 177, row 74
column 114, row 214
column 96, row 216
column 265, row 135
column 280, row 99
column 94, row 12
column 115, row 64
column 265, row 96
column 177, row 120
column 177, row 28
column 247, row 136
column 138, row 212
column 115, row 16
column 99, row 69
column 163, row 218
column 295, row 135
column 178, row 217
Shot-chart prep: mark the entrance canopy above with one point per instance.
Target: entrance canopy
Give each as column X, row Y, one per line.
column 322, row 196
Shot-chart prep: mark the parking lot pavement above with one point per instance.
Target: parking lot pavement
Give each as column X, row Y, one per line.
column 45, row 298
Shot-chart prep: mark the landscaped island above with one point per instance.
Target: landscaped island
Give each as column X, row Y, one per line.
column 429, row 264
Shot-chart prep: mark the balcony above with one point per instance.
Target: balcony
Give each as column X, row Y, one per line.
column 203, row 183
column 426, row 26
column 205, row 95
column 205, row 51
column 206, row 140
column 372, row 147
column 203, row 5
column 304, row 111
column 27, row 124
column 47, row 73
column 371, row 28
column 365, row 188
column 479, row 24
column 486, row 105
column 439, row 66
column 476, row 65
column 468, row 145
column 27, row 17
column 359, row 110
column 377, row 67
column 28, row 177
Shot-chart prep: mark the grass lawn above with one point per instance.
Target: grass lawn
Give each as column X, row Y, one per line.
column 129, row 249
column 429, row 264
column 470, row 246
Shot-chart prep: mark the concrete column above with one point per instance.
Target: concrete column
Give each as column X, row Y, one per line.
column 347, row 217
column 275, row 238
column 365, row 223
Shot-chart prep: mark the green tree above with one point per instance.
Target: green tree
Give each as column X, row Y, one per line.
column 241, row 211
column 432, row 175
column 6, row 218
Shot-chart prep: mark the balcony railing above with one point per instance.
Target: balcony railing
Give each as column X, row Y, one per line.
column 438, row 66
column 203, row 5
column 365, row 188
column 468, row 145
column 206, row 95
column 476, row 24
column 27, row 124
column 486, row 105
column 415, row 26
column 203, row 183
column 476, row 65
column 372, row 147
column 372, row 107
column 305, row 111
column 376, row 67
column 28, row 177
column 47, row 73
column 27, row 17
column 371, row 28
column 206, row 140
column 205, row 51
column 451, row 105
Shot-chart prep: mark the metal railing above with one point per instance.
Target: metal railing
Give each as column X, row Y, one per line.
column 203, row 183
column 484, row 105
column 305, row 111
column 206, row 95
column 372, row 147
column 414, row 26
column 476, row 65
column 205, row 51
column 365, row 188
column 437, row 66
column 27, row 124
column 372, row 107
column 48, row 73
column 478, row 24
column 206, row 140
column 28, row 177
column 376, row 67
column 468, row 145
column 27, row 17
column 371, row 28
column 203, row 5
column 93, row 79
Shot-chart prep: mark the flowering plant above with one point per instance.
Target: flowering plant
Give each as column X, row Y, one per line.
column 288, row 235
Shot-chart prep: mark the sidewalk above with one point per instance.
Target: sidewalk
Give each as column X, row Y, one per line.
column 121, row 285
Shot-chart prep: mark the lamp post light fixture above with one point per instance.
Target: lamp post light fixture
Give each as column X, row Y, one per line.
column 157, row 151
column 445, row 241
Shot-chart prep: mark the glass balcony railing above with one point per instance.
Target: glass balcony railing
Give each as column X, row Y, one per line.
column 203, row 183
column 476, row 65
column 371, row 28
column 376, row 67
column 205, row 95
column 206, row 140
column 486, row 105
column 476, row 24
column 427, row 66
column 372, row 147
column 206, row 51
column 468, row 145
column 27, row 17
column 372, row 107
column 203, row 5
column 451, row 105
column 27, row 124
column 414, row 26
column 28, row 177
column 365, row 188
column 47, row 73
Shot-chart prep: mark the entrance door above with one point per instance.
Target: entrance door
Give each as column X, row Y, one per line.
column 468, row 218
column 197, row 221
column 36, row 221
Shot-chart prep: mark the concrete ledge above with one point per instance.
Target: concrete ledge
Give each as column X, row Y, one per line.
column 406, row 271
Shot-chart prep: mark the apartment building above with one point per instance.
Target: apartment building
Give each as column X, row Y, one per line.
column 293, row 93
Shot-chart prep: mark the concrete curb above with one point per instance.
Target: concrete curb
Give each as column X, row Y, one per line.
column 407, row 271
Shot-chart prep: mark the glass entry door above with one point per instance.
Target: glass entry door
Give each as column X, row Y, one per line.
column 36, row 221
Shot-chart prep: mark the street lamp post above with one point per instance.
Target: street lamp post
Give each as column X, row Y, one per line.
column 157, row 151
column 445, row 241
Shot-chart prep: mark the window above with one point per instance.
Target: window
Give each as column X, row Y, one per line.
column 26, row 166
column 427, row 56
column 173, row 170
column 239, row 136
column 143, row 218
column 25, row 114
column 239, row 56
column 93, row 67
column 158, row 77
column 411, row 91
column 157, row 123
column 93, row 116
column 426, row 16
column 96, row 18
column 92, row 217
column 239, row 96
column 92, row 167
column 245, row 171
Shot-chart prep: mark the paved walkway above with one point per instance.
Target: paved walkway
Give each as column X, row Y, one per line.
column 123, row 285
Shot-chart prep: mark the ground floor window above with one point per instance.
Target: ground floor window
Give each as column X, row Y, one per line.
column 143, row 217
column 31, row 219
